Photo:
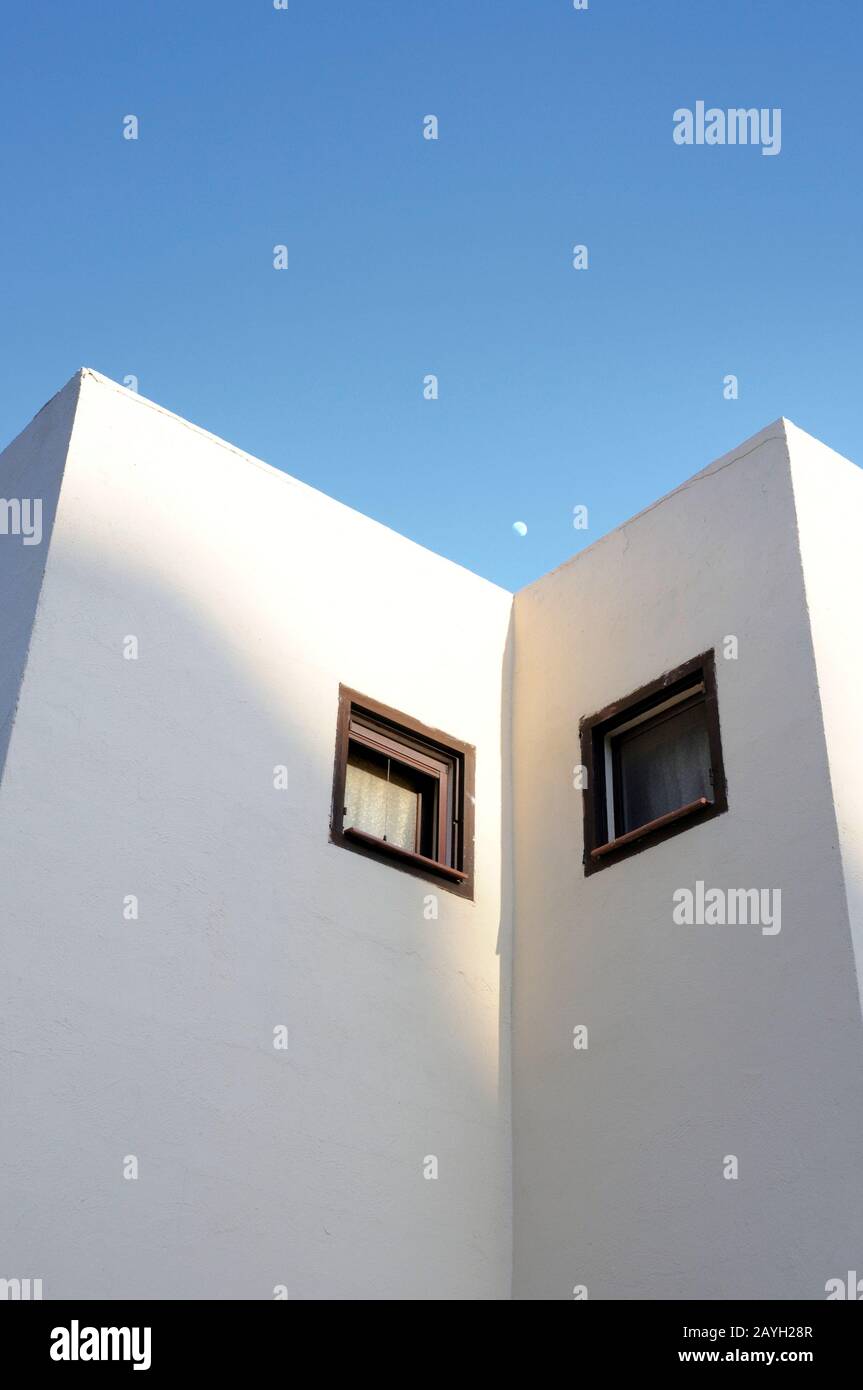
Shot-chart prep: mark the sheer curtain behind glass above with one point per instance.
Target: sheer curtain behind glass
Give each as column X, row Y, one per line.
column 664, row 768
column 386, row 807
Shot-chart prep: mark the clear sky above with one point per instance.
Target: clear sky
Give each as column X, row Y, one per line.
column 406, row 256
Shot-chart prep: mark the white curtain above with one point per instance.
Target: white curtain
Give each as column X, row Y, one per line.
column 385, row 808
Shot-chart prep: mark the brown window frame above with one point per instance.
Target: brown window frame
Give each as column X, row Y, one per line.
column 368, row 723
column 697, row 675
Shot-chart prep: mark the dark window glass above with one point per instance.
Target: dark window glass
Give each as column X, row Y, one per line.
column 652, row 764
column 661, row 765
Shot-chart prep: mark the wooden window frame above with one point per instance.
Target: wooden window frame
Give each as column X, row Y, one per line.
column 697, row 676
column 452, row 763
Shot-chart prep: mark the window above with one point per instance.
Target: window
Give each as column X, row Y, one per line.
column 653, row 764
column 403, row 793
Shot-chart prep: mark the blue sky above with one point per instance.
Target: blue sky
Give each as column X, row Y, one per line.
column 407, row 256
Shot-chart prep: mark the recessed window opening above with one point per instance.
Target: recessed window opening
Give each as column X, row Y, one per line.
column 401, row 792
column 654, row 763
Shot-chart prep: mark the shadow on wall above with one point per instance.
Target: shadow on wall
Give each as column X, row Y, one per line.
column 153, row 1036
column 22, row 566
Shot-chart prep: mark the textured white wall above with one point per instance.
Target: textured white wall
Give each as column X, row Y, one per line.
column 251, row 597
column 704, row 1041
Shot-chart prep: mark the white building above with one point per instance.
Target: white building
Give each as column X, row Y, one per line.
column 321, row 974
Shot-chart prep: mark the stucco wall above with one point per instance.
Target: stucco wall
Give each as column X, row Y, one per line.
column 704, row 1041
column 251, row 597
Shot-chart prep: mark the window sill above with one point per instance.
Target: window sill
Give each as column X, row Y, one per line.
column 405, row 856
column 690, row 809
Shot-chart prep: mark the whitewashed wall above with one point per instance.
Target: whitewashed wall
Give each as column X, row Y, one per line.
column 707, row 1041
column 251, row 597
